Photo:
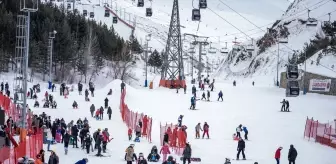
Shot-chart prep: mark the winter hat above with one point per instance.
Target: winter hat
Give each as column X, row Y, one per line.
column 141, row 155
column 280, row 147
column 86, row 160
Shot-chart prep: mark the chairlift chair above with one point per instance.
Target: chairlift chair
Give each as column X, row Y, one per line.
column 292, row 88
column 69, row 6
column 107, row 13
column 250, row 48
column 91, row 14
column 292, row 72
column 196, row 15
column 115, row 20
column 191, row 50
column 224, row 50
column 203, row 52
column 203, row 4
column 149, row 12
column 85, row 13
column 141, row 3
column 311, row 22
column 212, row 50
column 283, row 40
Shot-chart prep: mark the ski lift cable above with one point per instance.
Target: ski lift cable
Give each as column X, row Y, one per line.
column 296, row 14
column 251, row 38
column 265, row 31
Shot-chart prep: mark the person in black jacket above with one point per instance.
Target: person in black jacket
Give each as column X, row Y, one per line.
column 74, row 133
column 109, row 112
column 186, row 153
column 106, row 102
column 98, row 144
column 292, row 154
column 80, row 88
column 66, row 139
column 287, row 106
column 283, row 102
column 241, row 148
column 88, row 143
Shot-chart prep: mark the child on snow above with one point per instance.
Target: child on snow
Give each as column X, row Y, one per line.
column 165, row 151
column 129, row 133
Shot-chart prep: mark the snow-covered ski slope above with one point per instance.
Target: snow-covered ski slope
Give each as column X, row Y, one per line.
column 264, row 64
column 257, row 108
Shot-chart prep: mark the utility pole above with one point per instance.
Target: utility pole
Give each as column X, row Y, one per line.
column 50, row 48
column 277, row 77
column 304, row 74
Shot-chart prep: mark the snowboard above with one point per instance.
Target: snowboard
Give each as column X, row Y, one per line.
column 194, row 159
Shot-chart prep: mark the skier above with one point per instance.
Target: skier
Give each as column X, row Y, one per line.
column 185, row 89
column 122, row 86
column 106, row 139
column 203, row 96
column 179, row 120
column 98, row 144
column 165, row 151
column 198, row 128
column 66, row 140
column 238, row 130
column 2, row 86
column 287, row 106
column 283, row 107
column 141, row 159
column 109, row 112
column 246, row 132
column 220, row 95
column 80, row 88
column 101, row 113
column 208, row 95
column 241, row 148
column 186, row 153
column 292, row 154
column 193, row 103
column 6, row 86
column 110, row 92
column 106, row 102
column 130, row 155
column 205, row 130
column 92, row 109
column 75, row 105
column 83, row 161
column 234, row 83
column 278, row 155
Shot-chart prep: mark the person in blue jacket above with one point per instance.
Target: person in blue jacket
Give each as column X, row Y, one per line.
column 220, row 95
column 246, row 132
column 83, row 161
column 193, row 103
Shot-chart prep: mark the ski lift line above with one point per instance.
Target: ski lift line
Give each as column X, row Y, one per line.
column 262, row 29
column 283, row 18
column 251, row 38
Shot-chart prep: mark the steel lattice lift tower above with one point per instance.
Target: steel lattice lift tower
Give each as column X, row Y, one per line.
column 172, row 74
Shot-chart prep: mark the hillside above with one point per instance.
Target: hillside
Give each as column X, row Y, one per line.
column 293, row 26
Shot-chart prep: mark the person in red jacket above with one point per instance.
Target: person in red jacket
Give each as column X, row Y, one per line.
column 129, row 134
column 205, row 130
column 278, row 154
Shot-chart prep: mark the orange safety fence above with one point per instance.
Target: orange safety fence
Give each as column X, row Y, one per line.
column 30, row 148
column 177, row 138
column 323, row 133
column 132, row 118
column 172, row 83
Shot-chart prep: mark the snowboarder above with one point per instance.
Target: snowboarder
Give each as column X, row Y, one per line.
column 220, row 95
column 75, row 105
column 241, row 148
column 186, row 153
column 179, row 120
column 198, row 128
column 283, row 107
column 165, row 151
column 292, row 154
column 92, row 109
column 287, row 106
column 203, row 96
column 80, row 88
column 246, row 132
column 208, row 96
column 205, row 130
column 106, row 102
column 122, row 86
column 278, row 155
column 238, row 130
column 110, row 92
column 109, row 112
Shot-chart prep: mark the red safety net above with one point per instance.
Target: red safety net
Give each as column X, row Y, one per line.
column 323, row 133
column 33, row 143
column 177, row 138
column 132, row 118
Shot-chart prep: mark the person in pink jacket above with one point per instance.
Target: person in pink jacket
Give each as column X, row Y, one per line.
column 165, row 151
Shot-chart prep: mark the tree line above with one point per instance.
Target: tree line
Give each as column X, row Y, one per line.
column 80, row 45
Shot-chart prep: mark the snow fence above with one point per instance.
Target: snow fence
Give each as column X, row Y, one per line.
column 176, row 137
column 28, row 146
column 131, row 118
column 323, row 133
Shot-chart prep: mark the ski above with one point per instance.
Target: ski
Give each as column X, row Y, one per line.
column 100, row 156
